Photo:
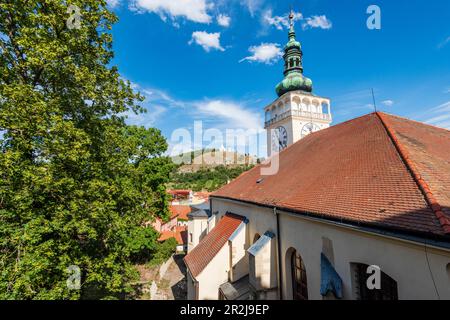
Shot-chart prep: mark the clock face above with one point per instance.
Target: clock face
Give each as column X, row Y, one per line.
column 309, row 128
column 279, row 139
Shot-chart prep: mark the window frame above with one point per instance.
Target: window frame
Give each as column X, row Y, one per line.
column 298, row 277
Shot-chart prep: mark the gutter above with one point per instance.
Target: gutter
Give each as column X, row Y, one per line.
column 280, row 279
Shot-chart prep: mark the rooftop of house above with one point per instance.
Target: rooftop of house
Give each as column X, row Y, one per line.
column 179, row 192
column 200, row 210
column 207, row 249
column 179, row 211
column 379, row 170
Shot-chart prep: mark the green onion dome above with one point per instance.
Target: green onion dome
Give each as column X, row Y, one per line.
column 293, row 67
column 292, row 82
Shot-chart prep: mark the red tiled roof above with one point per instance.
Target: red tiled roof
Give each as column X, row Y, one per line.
column 179, row 192
column 179, row 211
column 426, row 152
column 210, row 245
column 180, row 235
column 379, row 169
column 204, row 195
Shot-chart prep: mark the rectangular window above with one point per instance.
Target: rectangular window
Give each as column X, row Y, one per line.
column 388, row 290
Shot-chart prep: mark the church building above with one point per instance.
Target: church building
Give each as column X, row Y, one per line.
column 358, row 210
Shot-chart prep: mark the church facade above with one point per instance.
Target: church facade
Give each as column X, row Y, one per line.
column 358, row 210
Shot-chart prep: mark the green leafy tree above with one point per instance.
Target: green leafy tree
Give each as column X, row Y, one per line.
column 209, row 179
column 76, row 183
column 163, row 251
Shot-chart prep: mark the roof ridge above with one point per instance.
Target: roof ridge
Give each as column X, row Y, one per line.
column 415, row 121
column 421, row 183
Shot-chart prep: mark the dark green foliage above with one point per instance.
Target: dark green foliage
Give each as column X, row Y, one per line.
column 163, row 252
column 206, row 179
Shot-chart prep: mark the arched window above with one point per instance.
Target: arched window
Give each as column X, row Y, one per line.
column 299, row 282
column 291, row 63
column 388, row 286
column 324, row 107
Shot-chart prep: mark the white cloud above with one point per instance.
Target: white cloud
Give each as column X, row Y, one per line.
column 388, row 103
column 223, row 20
column 252, row 5
column 353, row 103
column 317, row 22
column 440, row 116
column 445, row 107
column 160, row 97
column 444, row 43
column 193, row 10
column 156, row 102
column 279, row 22
column 207, row 40
column 282, row 22
column 234, row 115
column 215, row 114
column 265, row 53
column 113, row 3
column 147, row 119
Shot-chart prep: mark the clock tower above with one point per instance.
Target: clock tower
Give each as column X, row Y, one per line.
column 297, row 112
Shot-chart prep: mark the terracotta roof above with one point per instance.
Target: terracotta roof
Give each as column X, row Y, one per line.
column 179, row 211
column 210, row 245
column 179, row 192
column 180, row 235
column 204, row 195
column 380, row 170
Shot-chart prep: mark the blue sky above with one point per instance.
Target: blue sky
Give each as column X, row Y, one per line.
column 218, row 61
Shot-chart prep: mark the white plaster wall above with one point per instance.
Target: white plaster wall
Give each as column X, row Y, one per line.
column 199, row 228
column 238, row 254
column 263, row 269
column 215, row 274
column 211, row 223
column 405, row 263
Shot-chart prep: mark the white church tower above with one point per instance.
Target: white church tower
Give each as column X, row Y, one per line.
column 297, row 112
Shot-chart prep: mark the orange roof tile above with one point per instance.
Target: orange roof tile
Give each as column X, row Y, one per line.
column 206, row 250
column 166, row 235
column 203, row 194
column 179, row 211
column 426, row 152
column 180, row 235
column 179, row 192
column 379, row 170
